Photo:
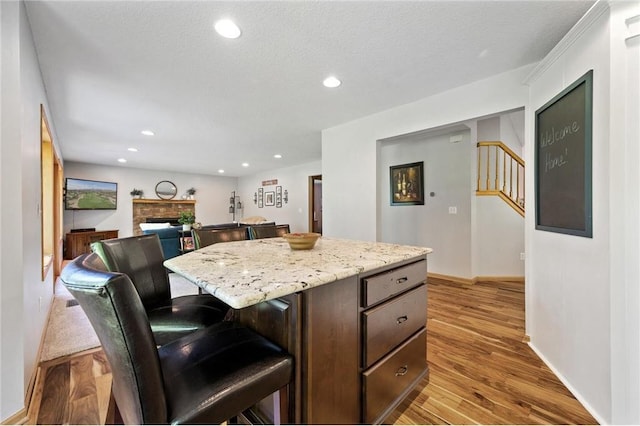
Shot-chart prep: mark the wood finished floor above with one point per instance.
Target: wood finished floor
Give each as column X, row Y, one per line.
column 480, row 370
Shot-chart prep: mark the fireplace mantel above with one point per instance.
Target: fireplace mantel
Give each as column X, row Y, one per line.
column 152, row 201
column 144, row 208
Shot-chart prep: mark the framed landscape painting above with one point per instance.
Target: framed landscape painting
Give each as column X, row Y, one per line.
column 407, row 184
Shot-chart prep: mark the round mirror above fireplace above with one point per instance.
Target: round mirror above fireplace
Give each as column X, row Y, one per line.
column 166, row 190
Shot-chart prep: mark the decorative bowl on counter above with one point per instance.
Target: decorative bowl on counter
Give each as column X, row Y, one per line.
column 301, row 240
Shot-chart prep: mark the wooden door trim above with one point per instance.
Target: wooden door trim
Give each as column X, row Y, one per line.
column 311, row 193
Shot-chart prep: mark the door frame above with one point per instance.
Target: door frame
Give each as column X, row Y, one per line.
column 312, row 198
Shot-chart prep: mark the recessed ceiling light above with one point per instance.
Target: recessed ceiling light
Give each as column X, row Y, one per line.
column 122, row 160
column 331, row 82
column 277, row 156
column 132, row 149
column 245, row 164
column 227, row 28
column 147, row 132
column 220, row 171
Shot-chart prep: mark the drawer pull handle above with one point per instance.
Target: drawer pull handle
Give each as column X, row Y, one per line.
column 402, row 370
column 402, row 319
column 401, row 280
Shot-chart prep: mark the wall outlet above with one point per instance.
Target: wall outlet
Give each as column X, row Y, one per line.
column 521, row 256
column 453, row 210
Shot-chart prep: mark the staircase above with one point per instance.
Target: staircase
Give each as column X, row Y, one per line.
column 501, row 173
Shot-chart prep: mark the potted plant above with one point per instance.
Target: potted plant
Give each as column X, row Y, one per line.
column 186, row 219
column 136, row 193
column 191, row 192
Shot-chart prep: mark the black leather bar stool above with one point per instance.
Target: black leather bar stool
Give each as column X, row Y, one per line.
column 282, row 229
column 141, row 259
column 206, row 237
column 263, row 231
column 207, row 376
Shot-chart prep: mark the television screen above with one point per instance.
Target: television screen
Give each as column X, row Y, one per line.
column 82, row 194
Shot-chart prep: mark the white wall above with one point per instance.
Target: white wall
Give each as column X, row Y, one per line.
column 500, row 237
column 569, row 289
column 512, row 130
column 349, row 160
column 625, row 212
column 11, row 297
column 212, row 195
column 293, row 179
column 38, row 293
column 447, row 174
column 25, row 298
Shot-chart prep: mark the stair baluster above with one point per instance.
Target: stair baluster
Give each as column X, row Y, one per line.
column 504, row 179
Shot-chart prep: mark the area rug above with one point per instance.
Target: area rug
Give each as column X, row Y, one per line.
column 69, row 330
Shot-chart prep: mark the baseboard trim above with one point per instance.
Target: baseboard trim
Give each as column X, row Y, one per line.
column 33, row 381
column 511, row 279
column 458, row 280
column 474, row 280
column 19, row 418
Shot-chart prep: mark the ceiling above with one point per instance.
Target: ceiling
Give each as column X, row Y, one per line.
column 114, row 68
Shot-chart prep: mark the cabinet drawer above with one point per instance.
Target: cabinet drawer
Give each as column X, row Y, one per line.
column 381, row 286
column 388, row 381
column 389, row 324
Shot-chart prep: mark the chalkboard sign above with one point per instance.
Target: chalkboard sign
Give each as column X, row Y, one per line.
column 563, row 160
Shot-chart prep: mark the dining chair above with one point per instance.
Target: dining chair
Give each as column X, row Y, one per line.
column 206, row 237
column 282, row 229
column 208, row 376
column 141, row 258
column 263, row 231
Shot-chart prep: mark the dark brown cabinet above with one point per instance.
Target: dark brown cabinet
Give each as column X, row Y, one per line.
column 394, row 338
column 78, row 243
column 359, row 343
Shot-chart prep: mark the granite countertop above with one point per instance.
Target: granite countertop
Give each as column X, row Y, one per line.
column 243, row 273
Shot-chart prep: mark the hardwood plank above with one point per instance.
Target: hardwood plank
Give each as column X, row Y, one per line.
column 84, row 411
column 103, row 393
column 55, row 395
column 81, row 377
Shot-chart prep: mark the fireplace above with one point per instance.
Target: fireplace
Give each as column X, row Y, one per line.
column 159, row 211
column 173, row 221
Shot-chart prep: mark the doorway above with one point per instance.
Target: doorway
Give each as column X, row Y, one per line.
column 51, row 195
column 315, row 204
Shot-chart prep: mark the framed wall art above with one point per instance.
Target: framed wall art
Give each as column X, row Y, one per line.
column 407, row 184
column 260, row 199
column 269, row 198
column 563, row 160
column 278, row 196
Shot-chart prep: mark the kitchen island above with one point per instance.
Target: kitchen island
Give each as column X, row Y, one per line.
column 352, row 313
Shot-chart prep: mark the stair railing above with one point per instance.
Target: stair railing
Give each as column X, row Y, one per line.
column 501, row 173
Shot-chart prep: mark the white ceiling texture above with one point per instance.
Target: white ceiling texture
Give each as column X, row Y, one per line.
column 114, row 68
